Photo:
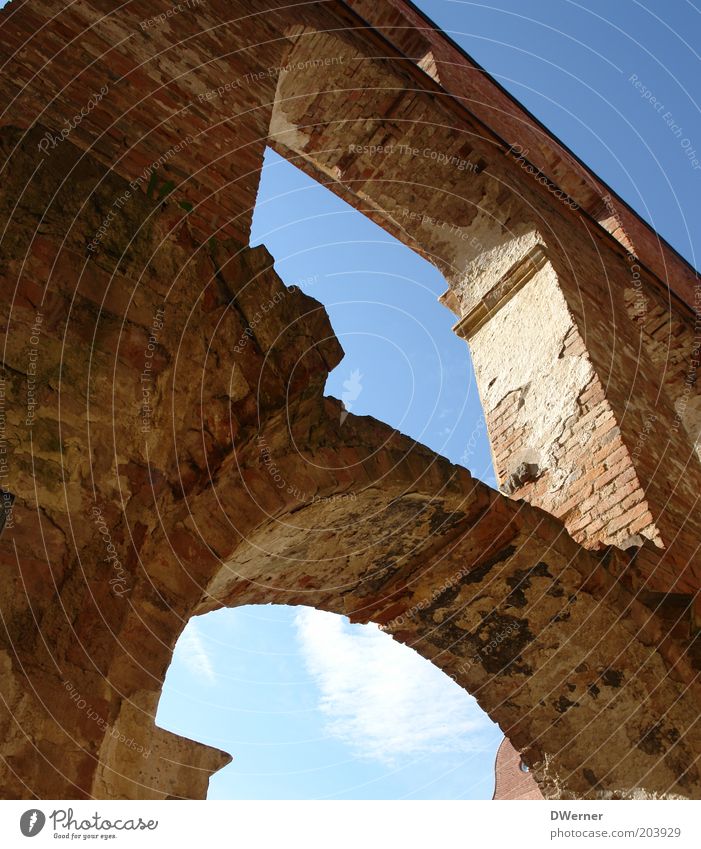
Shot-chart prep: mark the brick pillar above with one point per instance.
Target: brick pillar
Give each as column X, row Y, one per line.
column 554, row 436
column 575, row 423
column 512, row 778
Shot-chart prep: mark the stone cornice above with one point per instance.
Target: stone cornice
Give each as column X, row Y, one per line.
column 501, row 293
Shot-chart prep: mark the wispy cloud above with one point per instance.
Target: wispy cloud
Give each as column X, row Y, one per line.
column 192, row 652
column 381, row 697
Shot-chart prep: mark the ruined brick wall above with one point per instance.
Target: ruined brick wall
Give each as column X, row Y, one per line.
column 511, row 781
column 595, row 686
column 591, row 416
column 188, row 493
column 484, row 225
column 673, row 343
column 405, row 27
column 186, row 96
column 671, row 339
column 603, row 500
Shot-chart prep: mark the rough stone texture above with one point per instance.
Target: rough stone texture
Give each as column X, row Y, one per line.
column 417, row 38
column 549, row 410
column 480, row 225
column 169, row 449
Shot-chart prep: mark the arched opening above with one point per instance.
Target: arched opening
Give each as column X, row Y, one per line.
column 403, row 363
column 344, row 514
column 348, row 712
column 311, row 706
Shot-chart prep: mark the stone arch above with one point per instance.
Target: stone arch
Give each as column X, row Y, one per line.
column 493, row 592
column 592, row 685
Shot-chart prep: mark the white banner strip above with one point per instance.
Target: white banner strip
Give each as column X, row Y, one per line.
column 353, row 825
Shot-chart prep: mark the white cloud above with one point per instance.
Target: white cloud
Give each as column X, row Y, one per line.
column 192, row 652
column 381, row 697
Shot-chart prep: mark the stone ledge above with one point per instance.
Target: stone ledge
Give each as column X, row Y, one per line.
column 502, row 292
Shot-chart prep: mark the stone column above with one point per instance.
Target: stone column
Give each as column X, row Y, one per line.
column 577, row 418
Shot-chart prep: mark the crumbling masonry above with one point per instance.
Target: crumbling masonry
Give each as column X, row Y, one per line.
column 149, row 413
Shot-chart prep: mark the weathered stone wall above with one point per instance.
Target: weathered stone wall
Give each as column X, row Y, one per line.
column 417, row 38
column 232, row 481
column 555, row 437
column 145, row 94
column 483, row 218
column 169, row 449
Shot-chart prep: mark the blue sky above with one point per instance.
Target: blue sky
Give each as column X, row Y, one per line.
column 310, row 706
column 570, row 63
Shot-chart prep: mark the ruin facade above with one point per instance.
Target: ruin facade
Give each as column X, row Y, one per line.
column 167, row 448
